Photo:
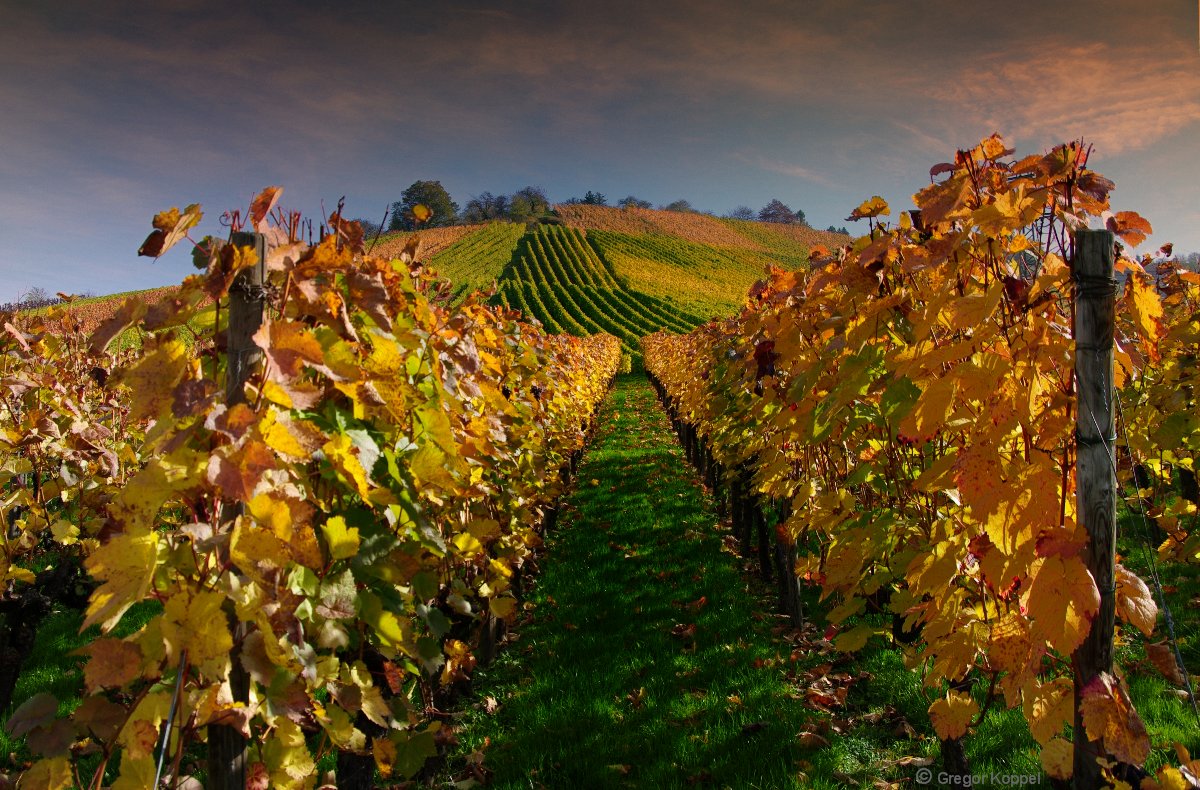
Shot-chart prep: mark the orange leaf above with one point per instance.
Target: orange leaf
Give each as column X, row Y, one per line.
column 261, row 206
column 1135, row 604
column 1108, row 713
column 1130, row 226
column 113, row 664
column 1163, row 658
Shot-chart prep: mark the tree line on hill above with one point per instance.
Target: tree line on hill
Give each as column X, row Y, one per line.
column 531, row 203
column 33, row 299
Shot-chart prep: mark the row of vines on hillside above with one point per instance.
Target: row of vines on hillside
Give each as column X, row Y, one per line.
column 326, row 549
column 910, row 401
column 558, row 277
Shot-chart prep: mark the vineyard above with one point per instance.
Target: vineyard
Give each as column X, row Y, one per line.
column 711, row 281
column 897, row 429
column 319, row 524
column 336, row 518
column 470, row 257
column 557, row 277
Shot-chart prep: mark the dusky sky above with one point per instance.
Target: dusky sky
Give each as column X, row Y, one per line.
column 113, row 111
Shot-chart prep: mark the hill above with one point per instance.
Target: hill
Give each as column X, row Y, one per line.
column 697, row 265
column 584, row 269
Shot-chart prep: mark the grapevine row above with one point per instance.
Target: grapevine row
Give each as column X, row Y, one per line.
column 557, row 275
column 326, row 552
column 904, row 412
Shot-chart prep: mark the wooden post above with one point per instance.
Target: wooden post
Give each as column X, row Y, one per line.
column 226, row 745
column 1095, row 469
column 245, row 317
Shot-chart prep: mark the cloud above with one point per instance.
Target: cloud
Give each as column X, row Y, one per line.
column 1119, row 98
column 787, row 169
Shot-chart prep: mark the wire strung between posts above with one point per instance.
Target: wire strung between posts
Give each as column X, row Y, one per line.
column 1146, row 550
column 170, row 722
column 1095, row 288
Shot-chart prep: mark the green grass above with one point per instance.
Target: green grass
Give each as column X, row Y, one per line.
column 53, row 667
column 597, row 690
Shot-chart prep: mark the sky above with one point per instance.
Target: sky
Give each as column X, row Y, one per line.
column 111, row 112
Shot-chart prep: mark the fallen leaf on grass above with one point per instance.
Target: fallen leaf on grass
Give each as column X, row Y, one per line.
column 919, row 762
column 636, row 698
column 621, row 768
column 1163, row 658
column 753, row 727
column 684, row 631
column 490, row 705
column 811, row 740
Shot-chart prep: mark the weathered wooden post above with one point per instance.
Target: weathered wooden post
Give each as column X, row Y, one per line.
column 226, row 745
column 1095, row 470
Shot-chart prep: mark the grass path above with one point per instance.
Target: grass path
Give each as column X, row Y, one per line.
column 646, row 659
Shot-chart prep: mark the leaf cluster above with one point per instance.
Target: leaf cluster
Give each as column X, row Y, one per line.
column 910, row 401
column 338, row 529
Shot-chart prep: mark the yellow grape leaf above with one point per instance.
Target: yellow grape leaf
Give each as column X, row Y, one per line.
column 152, row 379
column 421, row 212
column 340, row 452
column 140, row 733
column 1058, row 759
column 112, row 664
column 169, row 227
column 952, row 715
column 392, row 631
column 1010, row 646
column 1168, row 778
column 295, row 439
column 1145, row 308
column 374, row 706
column 342, row 540
column 136, row 773
column 1048, row 708
column 126, row 564
column 993, row 147
column 1062, row 599
column 287, row 756
column 970, row 311
column 137, row 504
column 870, row 208
column 197, row 623
column 258, row 553
column 854, row 639
column 930, row 412
column 1108, row 713
column 52, row 774
column 1135, row 604
column 467, row 544
column 272, row 514
column 502, row 607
